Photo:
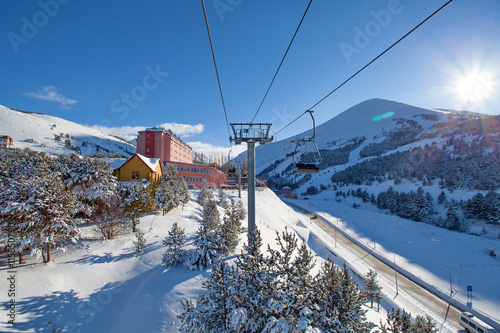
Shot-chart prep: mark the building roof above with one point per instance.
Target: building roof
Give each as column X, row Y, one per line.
column 149, row 162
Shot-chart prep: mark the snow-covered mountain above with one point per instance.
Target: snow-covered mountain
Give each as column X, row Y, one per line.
column 376, row 129
column 54, row 135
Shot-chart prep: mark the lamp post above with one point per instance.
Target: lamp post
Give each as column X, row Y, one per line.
column 449, row 267
column 395, row 267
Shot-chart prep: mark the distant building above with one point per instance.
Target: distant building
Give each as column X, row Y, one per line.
column 194, row 174
column 139, row 167
column 156, row 142
column 6, row 141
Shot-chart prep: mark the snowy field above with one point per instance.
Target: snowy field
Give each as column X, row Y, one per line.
column 101, row 286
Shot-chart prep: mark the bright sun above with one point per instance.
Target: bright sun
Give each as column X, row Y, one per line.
column 475, row 87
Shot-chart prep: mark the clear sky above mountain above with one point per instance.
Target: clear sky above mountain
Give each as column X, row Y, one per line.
column 124, row 64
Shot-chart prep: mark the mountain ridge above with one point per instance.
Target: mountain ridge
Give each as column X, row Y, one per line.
column 56, row 135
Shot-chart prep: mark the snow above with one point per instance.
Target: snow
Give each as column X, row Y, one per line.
column 101, row 286
column 150, row 162
column 21, row 126
column 426, row 257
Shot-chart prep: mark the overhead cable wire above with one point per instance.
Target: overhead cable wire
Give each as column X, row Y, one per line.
column 215, row 64
column 283, row 59
column 368, row 64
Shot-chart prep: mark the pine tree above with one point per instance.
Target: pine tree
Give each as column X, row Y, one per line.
column 92, row 181
column 51, row 221
column 136, row 200
column 339, row 301
column 231, row 229
column 222, row 201
column 205, row 194
column 441, row 198
column 140, row 241
column 171, row 190
column 424, row 325
column 253, row 285
column 208, row 239
column 372, row 290
column 174, row 242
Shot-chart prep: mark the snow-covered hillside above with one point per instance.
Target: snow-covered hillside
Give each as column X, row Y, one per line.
column 371, row 119
column 101, row 286
column 50, row 134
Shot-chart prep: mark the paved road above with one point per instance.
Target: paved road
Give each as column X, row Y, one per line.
column 441, row 308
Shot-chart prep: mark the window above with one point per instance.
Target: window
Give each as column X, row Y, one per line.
column 157, row 154
column 142, row 148
column 142, row 134
column 135, row 174
column 147, row 143
column 148, row 135
column 147, row 150
column 142, row 141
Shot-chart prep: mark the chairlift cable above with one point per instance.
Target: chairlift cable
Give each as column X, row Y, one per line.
column 282, row 60
column 381, row 54
column 372, row 61
column 215, row 65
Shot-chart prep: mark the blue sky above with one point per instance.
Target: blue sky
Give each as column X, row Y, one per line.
column 129, row 64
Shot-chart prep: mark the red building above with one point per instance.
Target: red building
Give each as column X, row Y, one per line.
column 156, row 142
column 6, row 141
column 194, row 174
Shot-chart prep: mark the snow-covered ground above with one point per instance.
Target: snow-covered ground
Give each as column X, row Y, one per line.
column 101, row 286
column 426, row 251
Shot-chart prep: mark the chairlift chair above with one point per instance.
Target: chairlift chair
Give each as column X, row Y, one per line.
column 308, row 168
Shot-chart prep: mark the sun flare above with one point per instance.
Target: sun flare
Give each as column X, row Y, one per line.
column 475, row 87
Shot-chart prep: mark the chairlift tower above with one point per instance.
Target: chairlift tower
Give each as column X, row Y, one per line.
column 251, row 133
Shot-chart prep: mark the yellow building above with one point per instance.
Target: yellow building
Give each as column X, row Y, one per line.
column 139, row 167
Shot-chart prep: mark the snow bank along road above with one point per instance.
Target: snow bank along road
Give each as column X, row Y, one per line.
column 440, row 308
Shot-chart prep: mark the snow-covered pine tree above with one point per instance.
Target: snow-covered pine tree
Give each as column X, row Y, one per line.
column 222, row 200
column 492, row 207
column 171, row 191
column 291, row 305
column 139, row 242
column 164, row 194
column 92, row 181
column 397, row 322
column 15, row 211
column 231, row 228
column 54, row 207
column 174, row 242
column 372, row 290
column 208, row 239
column 217, row 306
column 424, row 325
column 253, row 285
column 441, row 198
column 136, row 200
column 339, row 301
column 205, row 194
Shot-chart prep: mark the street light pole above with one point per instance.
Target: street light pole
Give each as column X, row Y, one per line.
column 449, row 267
column 395, row 267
